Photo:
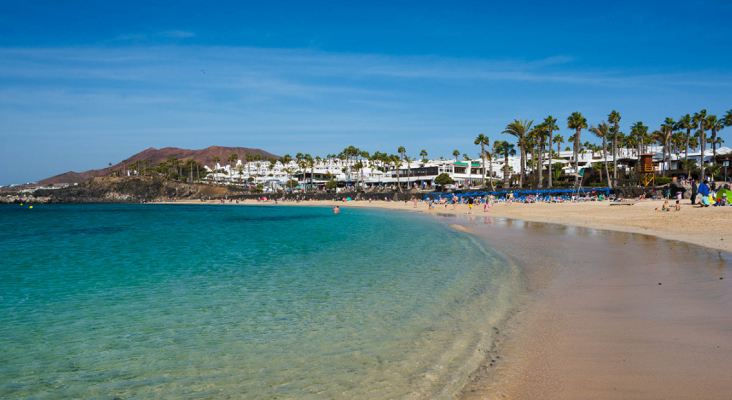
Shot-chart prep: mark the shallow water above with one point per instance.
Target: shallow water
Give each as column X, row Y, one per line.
column 178, row 301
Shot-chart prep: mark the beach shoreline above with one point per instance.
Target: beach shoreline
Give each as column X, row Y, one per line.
column 540, row 351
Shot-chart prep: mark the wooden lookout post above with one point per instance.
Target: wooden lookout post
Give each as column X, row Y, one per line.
column 646, row 170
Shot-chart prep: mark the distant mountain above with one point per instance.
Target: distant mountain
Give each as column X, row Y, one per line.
column 204, row 156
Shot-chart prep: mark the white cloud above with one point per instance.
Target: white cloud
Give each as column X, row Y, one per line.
column 178, row 34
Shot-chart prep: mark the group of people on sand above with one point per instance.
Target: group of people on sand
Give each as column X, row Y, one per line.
column 707, row 194
column 488, row 201
column 667, row 207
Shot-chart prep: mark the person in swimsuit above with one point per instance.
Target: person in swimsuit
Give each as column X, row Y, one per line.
column 470, row 205
column 336, row 210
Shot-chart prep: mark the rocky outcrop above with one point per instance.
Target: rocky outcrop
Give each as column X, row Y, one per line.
column 122, row 190
column 203, row 156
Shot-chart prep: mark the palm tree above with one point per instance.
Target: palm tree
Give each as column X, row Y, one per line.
column 215, row 161
column 249, row 158
column 505, row 149
column 234, row 157
column 490, row 155
column 714, row 169
column 302, row 163
column 715, row 125
column 701, row 119
column 667, row 130
column 401, row 150
column 311, row 164
column 408, row 160
column 577, row 122
column 538, row 138
column 662, row 136
column 686, row 122
column 639, row 131
column 728, row 118
column 125, row 163
column 397, row 162
column 551, row 125
column 559, row 139
column 456, row 154
column 366, row 156
column 694, row 141
column 519, row 129
column 470, row 165
column 482, row 140
column 614, row 118
column 240, row 170
column 603, row 131
column 110, row 169
column 423, row 154
column 289, row 171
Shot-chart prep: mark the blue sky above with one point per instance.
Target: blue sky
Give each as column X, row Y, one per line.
column 87, row 83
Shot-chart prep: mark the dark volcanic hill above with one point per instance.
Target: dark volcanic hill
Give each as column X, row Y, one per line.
column 204, row 156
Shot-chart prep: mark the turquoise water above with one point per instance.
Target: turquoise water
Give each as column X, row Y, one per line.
column 241, row 302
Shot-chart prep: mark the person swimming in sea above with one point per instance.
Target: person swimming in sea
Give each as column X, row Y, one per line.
column 336, row 210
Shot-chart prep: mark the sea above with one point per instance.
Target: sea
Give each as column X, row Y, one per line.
column 170, row 301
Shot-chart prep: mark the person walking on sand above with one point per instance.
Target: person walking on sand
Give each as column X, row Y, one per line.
column 694, row 191
column 487, row 204
column 470, row 205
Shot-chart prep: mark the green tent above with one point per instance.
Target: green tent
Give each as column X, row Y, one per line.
column 721, row 192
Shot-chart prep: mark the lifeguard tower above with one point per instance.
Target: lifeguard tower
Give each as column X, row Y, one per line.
column 646, row 170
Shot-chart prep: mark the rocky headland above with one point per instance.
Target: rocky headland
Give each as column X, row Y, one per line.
column 122, row 190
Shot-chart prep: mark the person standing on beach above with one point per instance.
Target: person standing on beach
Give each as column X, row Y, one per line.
column 704, row 192
column 470, row 205
column 694, row 191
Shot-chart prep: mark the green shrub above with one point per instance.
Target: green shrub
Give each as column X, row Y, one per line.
column 443, row 179
column 331, row 184
column 662, row 180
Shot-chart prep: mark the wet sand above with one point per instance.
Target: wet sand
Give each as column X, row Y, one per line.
column 596, row 324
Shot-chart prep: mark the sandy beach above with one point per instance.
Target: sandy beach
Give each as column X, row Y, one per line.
column 622, row 302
